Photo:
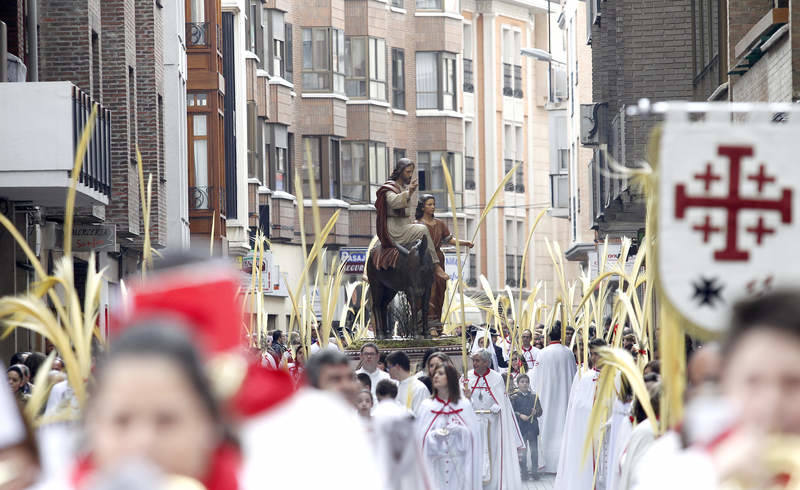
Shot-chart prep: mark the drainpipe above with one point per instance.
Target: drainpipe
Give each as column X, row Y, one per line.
column 3, row 53
column 550, row 61
column 33, row 41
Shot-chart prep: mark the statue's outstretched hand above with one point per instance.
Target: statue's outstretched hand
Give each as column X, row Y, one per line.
column 412, row 187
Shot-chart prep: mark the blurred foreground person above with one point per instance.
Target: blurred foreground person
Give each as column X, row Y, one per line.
column 760, row 383
column 174, row 425
column 19, row 459
column 449, row 436
column 265, row 407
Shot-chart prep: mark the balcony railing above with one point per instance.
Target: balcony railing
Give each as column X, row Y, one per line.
column 96, row 169
column 197, row 34
column 40, row 127
column 207, row 198
column 468, row 83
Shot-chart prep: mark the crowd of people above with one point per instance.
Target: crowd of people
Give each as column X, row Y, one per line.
column 175, row 397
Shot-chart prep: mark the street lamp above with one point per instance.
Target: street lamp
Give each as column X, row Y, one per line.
column 537, row 53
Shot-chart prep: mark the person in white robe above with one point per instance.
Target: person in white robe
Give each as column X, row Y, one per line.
column 449, row 436
column 576, row 472
column 617, row 432
column 411, row 392
column 642, row 437
column 370, row 354
column 529, row 352
column 552, row 378
column 499, row 430
column 484, row 341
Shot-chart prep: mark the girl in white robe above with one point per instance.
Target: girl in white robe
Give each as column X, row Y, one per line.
column 449, row 436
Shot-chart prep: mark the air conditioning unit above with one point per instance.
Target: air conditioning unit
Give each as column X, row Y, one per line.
column 592, row 117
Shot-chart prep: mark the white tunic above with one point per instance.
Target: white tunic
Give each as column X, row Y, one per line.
column 530, row 355
column 499, row 431
column 640, row 441
column 575, row 472
column 617, row 433
column 411, row 392
column 552, row 378
column 449, row 437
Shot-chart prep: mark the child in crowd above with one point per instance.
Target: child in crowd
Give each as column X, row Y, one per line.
column 527, row 408
column 364, row 403
column 364, row 381
column 386, row 390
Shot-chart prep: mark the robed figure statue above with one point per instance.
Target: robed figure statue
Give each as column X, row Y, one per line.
column 440, row 234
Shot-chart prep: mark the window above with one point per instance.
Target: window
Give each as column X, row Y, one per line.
column 513, row 155
column 365, row 167
column 365, row 67
column 355, row 70
column 468, row 83
column 468, row 87
column 710, row 47
column 312, row 149
column 559, row 160
column 198, row 146
column 377, row 68
column 469, row 158
column 519, row 175
column 397, row 154
column 278, row 36
column 446, row 5
column 197, row 11
column 398, row 79
column 278, row 156
column 511, row 276
column 355, row 181
column 252, row 19
column 324, row 161
column 397, row 3
column 469, row 173
column 512, row 63
column 431, row 175
column 132, row 114
column 436, row 80
column 323, row 60
column 288, row 57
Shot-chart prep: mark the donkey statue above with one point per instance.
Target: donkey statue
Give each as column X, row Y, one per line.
column 413, row 275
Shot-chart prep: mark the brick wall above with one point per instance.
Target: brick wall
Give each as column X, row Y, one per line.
column 64, row 42
column 118, row 57
column 769, row 80
column 149, row 87
column 641, row 49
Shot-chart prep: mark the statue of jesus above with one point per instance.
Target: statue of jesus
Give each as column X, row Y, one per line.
column 395, row 204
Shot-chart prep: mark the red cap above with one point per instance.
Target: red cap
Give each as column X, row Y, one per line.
column 205, row 298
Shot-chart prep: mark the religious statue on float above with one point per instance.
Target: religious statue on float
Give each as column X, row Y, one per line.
column 440, row 235
column 405, row 259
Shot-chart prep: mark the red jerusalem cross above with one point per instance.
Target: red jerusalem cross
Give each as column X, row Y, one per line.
column 733, row 203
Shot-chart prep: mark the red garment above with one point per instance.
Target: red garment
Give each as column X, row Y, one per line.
column 261, row 389
column 384, row 256
column 222, row 472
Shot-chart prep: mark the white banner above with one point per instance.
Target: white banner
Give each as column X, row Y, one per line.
column 727, row 211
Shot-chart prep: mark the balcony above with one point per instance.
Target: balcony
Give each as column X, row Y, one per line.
column 207, row 198
column 40, row 126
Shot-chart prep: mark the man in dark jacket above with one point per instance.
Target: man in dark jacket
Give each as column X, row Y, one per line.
column 528, row 409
